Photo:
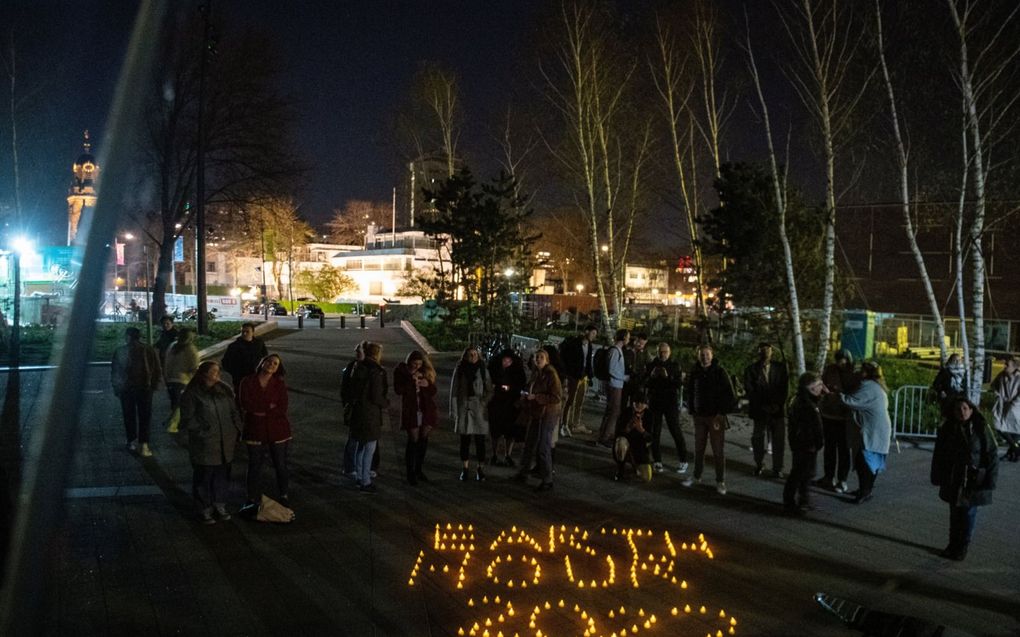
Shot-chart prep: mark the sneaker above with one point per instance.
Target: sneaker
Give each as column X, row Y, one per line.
column 691, row 481
column 758, row 470
column 367, row 488
column 842, row 487
column 657, row 467
column 173, row 428
column 132, row 446
column 373, row 474
column 778, row 474
column 582, row 430
column 463, row 475
column 221, row 511
column 479, row 475
column 207, row 516
column 720, row 488
column 146, row 452
column 682, row 467
column 564, row 432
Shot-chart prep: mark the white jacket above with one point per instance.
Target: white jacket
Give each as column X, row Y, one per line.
column 1006, row 412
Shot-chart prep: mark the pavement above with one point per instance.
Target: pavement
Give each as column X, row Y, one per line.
column 132, row 558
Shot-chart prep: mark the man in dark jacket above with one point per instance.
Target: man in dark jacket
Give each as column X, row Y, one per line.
column 663, row 387
column 243, row 355
column 135, row 373
column 577, row 354
column 766, row 385
column 709, row 395
column 167, row 335
column 806, row 438
column 838, row 377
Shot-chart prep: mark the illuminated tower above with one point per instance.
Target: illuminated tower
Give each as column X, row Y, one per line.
column 81, row 198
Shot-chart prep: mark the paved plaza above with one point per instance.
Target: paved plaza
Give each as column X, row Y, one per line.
column 132, row 558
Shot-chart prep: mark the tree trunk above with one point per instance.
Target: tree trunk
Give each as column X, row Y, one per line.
column 908, row 225
column 958, row 253
column 779, row 192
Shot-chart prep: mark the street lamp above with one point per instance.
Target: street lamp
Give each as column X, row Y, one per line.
column 579, row 287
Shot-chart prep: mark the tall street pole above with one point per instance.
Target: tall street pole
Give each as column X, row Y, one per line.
column 203, row 317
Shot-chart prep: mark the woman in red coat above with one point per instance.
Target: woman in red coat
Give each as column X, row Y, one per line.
column 263, row 401
column 415, row 381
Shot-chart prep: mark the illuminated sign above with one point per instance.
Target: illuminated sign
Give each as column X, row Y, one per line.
column 567, row 581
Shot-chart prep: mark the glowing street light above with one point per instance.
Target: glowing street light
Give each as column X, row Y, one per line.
column 579, row 287
column 509, row 272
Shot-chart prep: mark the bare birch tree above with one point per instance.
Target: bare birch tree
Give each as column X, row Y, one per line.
column 11, row 69
column 779, row 193
column 430, row 119
column 986, row 105
column 588, row 85
column 825, row 43
column 902, row 156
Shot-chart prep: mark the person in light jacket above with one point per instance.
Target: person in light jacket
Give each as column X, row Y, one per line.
column 614, row 390
column 964, row 466
column 469, row 390
column 209, row 414
column 1006, row 412
column 180, row 364
column 870, row 406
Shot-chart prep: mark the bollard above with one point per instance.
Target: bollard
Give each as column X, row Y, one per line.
column 300, row 322
column 382, row 321
column 343, row 322
column 362, row 321
column 322, row 321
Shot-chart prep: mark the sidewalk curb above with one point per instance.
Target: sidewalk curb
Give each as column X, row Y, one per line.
column 417, row 337
column 213, row 350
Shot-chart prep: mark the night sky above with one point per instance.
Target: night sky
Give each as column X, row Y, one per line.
column 347, row 65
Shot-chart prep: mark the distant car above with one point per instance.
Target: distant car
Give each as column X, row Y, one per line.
column 310, row 310
column 275, row 309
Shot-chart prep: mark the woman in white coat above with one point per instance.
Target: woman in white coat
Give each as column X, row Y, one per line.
column 469, row 391
column 1006, row 412
column 870, row 406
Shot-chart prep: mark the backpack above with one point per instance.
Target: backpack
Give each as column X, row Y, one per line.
column 600, row 364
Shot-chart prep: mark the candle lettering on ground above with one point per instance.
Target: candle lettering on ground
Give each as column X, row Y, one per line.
column 565, row 581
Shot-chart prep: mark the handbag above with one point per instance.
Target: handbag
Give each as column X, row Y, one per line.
column 272, row 511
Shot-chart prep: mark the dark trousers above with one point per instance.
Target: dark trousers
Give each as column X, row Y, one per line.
column 796, row 489
column 174, row 391
column 350, row 449
column 210, row 484
column 538, row 445
column 1013, row 440
column 614, row 403
column 465, row 447
column 136, row 405
column 837, row 451
column 672, row 417
column 961, row 525
column 277, row 453
column 776, row 426
column 710, row 429
column 865, row 477
column 414, row 457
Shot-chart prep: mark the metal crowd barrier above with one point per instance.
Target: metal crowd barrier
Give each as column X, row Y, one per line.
column 914, row 414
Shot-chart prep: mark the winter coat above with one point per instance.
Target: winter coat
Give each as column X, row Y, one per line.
column 575, row 364
column 709, row 391
column 349, row 390
column 804, row 424
column 165, row 340
column 371, row 408
column 964, row 465
column 242, row 358
column 949, row 381
column 264, row 410
column 212, row 421
column 1006, row 412
column 134, row 366
column 545, row 386
column 838, row 379
column 635, row 362
column 663, row 382
column 502, row 407
column 766, row 398
column 181, row 361
column 870, row 407
column 468, row 392
column 415, row 400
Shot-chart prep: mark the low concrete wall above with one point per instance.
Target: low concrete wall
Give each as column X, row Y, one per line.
column 421, row 341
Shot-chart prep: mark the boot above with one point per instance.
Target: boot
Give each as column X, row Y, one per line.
column 410, row 461
column 173, row 422
column 419, row 460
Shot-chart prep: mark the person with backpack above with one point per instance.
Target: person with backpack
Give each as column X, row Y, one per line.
column 710, row 397
column 610, row 368
column 577, row 353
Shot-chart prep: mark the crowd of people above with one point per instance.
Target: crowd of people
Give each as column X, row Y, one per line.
column 507, row 402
